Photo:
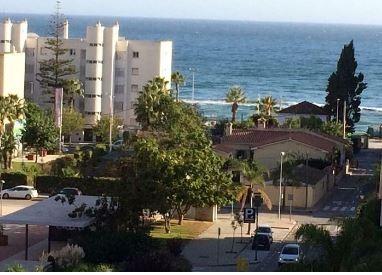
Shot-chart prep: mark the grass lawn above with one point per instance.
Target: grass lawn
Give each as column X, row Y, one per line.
column 18, row 166
column 187, row 231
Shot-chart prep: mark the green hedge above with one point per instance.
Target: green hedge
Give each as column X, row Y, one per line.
column 88, row 186
column 14, row 179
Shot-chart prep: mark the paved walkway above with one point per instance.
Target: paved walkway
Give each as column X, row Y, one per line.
column 206, row 253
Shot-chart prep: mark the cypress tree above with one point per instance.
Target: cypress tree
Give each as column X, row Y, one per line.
column 346, row 86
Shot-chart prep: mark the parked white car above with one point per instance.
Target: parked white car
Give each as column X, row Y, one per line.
column 20, row 192
column 290, row 254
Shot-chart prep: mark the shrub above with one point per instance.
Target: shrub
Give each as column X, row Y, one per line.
column 16, row 268
column 89, row 186
column 68, row 257
column 157, row 261
column 112, row 247
column 14, row 179
column 61, row 165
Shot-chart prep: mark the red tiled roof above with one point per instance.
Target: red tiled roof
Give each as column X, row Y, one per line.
column 304, row 108
column 263, row 137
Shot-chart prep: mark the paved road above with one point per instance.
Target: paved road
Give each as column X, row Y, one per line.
column 12, row 205
column 342, row 202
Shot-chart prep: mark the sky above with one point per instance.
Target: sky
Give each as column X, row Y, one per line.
column 311, row 11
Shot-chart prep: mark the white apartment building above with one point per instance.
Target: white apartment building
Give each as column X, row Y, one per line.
column 113, row 69
column 12, row 57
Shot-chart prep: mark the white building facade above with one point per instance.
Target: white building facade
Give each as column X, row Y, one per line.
column 113, row 69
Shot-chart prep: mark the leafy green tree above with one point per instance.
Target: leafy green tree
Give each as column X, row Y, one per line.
column 73, row 88
column 102, row 129
column 40, row 131
column 178, row 79
column 332, row 128
column 235, row 95
column 293, row 123
column 312, row 123
column 181, row 177
column 54, row 70
column 71, row 121
column 346, row 86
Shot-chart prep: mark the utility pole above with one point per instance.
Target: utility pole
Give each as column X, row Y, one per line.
column 193, row 83
column 338, row 109
column 282, row 154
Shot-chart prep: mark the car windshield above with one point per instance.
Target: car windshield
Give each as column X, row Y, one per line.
column 290, row 251
column 264, row 230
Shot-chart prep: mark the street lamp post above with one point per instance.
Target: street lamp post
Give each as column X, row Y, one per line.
column 193, row 82
column 282, row 154
column 338, row 107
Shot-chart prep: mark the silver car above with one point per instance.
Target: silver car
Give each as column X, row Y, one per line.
column 290, row 254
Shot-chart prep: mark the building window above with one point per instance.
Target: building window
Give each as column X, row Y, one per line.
column 118, row 106
column 92, row 96
column 134, row 88
column 135, row 71
column 119, row 89
column 135, row 54
column 119, row 72
column 94, row 78
column 94, row 62
column 96, row 44
column 72, row 51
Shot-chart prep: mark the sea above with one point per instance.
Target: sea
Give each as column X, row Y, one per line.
column 289, row 61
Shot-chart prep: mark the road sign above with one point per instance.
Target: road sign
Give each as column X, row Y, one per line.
column 249, row 215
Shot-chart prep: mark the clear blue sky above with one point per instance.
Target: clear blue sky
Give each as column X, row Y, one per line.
column 325, row 11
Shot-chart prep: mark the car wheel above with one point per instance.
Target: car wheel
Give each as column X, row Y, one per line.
column 28, row 197
column 6, row 196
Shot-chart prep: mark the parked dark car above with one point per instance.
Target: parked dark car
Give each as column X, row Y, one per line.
column 70, row 191
column 261, row 241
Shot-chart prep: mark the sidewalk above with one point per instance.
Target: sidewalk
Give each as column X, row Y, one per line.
column 205, row 252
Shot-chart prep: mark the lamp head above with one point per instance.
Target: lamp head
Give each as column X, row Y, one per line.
column 282, row 154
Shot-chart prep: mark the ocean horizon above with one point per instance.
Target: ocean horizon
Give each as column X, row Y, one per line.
column 291, row 61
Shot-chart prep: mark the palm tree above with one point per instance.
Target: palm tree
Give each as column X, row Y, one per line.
column 267, row 105
column 152, row 101
column 235, row 95
column 11, row 109
column 253, row 174
column 72, row 89
column 178, row 79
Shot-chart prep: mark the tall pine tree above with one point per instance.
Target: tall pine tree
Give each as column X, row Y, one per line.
column 346, row 86
column 56, row 68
